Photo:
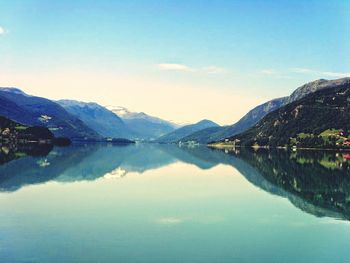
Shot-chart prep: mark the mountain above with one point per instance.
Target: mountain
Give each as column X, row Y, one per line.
column 250, row 119
column 256, row 114
column 80, row 120
column 144, row 126
column 184, row 131
column 98, row 118
column 36, row 111
column 321, row 119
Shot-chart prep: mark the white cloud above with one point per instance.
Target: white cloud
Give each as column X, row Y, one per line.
column 185, row 68
column 322, row 73
column 2, row 31
column 174, row 67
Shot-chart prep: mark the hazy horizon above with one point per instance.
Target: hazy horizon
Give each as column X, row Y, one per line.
column 178, row 61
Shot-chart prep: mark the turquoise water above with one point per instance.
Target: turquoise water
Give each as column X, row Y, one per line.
column 157, row 203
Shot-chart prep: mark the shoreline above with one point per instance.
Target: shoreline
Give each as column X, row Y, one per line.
column 230, row 146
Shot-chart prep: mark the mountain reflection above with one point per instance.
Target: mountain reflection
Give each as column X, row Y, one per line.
column 93, row 161
column 316, row 182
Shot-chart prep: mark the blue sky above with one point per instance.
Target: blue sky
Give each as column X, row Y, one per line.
column 181, row 60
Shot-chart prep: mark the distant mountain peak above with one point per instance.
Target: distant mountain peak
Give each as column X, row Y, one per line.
column 147, row 126
column 186, row 130
column 125, row 113
column 206, row 121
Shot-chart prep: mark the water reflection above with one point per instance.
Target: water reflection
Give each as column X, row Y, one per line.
column 316, row 182
column 12, row 152
column 93, row 161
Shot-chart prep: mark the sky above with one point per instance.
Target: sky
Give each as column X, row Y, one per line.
column 179, row 60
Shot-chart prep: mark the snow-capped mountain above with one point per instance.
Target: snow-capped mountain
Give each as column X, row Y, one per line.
column 124, row 113
column 98, row 118
column 148, row 127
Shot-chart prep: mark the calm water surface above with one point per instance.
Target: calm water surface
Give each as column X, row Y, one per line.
column 157, row 203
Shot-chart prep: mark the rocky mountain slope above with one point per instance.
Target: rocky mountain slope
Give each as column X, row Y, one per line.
column 321, row 119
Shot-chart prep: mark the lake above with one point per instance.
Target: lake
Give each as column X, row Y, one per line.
column 164, row 203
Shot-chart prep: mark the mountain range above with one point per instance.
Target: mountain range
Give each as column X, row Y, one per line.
column 80, row 120
column 318, row 120
column 91, row 121
column 256, row 114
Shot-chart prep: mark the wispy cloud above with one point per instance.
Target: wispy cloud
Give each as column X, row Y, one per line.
column 306, row 71
column 174, row 67
column 185, row 68
column 321, row 73
column 2, row 30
